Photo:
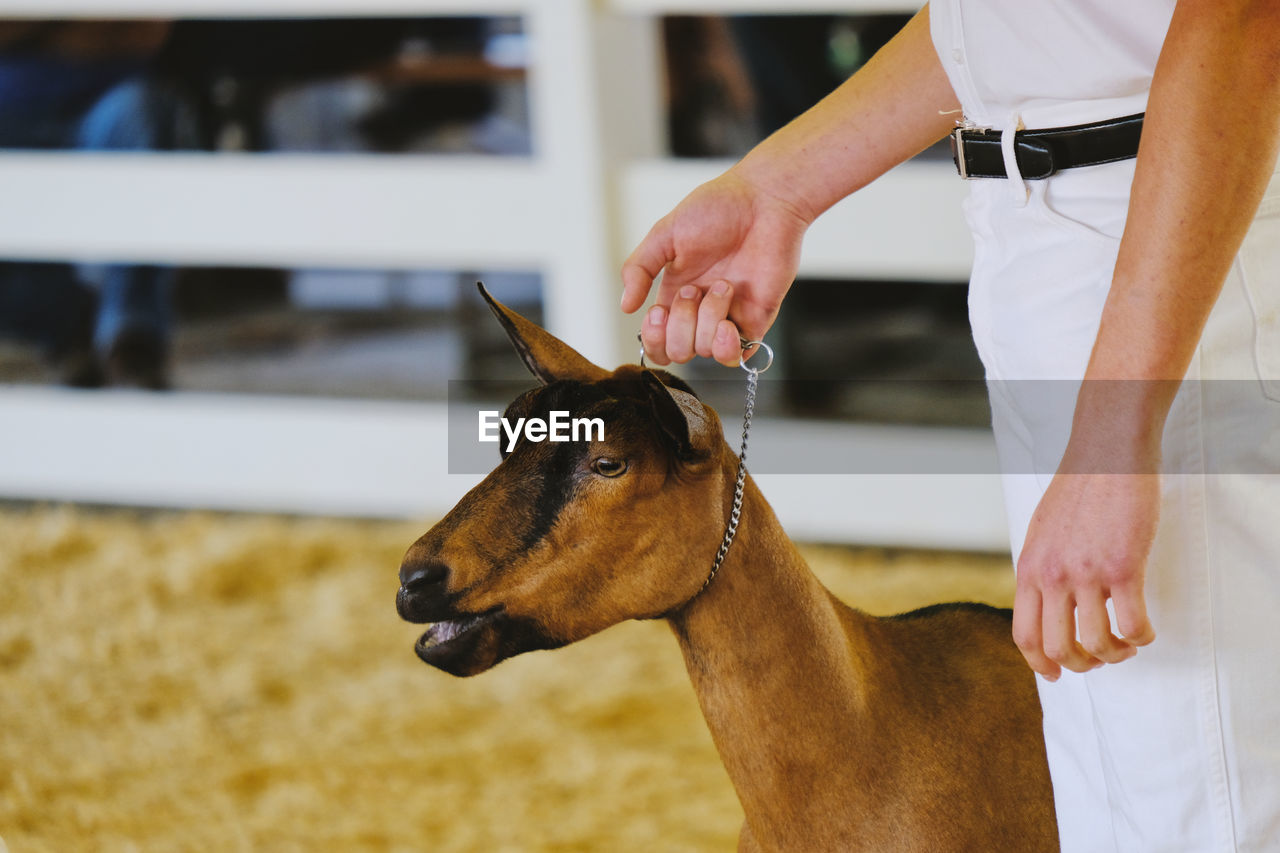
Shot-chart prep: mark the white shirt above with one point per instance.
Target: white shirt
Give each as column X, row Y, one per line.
column 1050, row 62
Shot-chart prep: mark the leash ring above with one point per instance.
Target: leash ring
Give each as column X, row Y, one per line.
column 743, row 360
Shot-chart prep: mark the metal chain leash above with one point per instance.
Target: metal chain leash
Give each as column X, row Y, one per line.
column 753, row 377
column 735, row 513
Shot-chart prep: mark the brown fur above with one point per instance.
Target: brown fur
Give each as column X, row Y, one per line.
column 840, row 731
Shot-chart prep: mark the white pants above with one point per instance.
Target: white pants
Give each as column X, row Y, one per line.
column 1177, row 749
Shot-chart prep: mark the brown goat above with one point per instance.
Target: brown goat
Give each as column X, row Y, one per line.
column 840, row 731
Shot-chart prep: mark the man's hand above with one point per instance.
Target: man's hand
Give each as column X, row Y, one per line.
column 1088, row 541
column 728, row 254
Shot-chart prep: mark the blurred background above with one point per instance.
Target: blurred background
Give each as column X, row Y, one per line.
column 287, row 204
column 239, row 244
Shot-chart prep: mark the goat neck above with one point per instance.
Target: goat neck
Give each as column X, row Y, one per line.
column 775, row 664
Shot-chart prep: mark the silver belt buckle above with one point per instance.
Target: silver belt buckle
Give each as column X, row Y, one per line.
column 957, row 150
column 957, row 145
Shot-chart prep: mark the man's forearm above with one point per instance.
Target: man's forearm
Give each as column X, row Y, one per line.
column 899, row 103
column 1209, row 146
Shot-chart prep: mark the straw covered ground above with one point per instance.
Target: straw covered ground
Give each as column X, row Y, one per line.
column 174, row 682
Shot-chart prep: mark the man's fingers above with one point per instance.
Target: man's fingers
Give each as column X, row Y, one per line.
column 682, row 323
column 1095, row 631
column 1027, row 631
column 1131, row 613
column 653, row 335
column 643, row 266
column 1060, row 635
column 714, row 308
column 726, row 346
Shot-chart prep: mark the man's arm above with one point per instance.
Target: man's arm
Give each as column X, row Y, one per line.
column 892, row 108
column 1209, row 146
column 730, row 250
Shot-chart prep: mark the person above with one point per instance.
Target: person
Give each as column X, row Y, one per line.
column 1143, row 283
column 88, row 85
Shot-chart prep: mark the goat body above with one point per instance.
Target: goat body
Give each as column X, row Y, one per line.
column 842, row 731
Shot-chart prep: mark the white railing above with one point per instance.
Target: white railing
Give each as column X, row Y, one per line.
column 596, row 181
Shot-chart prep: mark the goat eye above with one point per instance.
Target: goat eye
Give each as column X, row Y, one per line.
column 606, row 467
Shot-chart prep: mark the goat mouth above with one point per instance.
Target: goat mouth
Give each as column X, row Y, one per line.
column 463, row 646
column 443, row 633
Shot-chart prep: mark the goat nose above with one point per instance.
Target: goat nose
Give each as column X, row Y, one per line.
column 414, row 576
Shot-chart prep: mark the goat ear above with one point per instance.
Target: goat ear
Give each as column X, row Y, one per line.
column 547, row 357
column 683, row 417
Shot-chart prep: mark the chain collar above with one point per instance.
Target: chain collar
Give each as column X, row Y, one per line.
column 735, row 512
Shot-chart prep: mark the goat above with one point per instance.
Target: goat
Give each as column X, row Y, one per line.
column 840, row 731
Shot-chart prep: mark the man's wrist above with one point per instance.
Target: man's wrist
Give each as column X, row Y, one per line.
column 1118, row 426
column 786, row 177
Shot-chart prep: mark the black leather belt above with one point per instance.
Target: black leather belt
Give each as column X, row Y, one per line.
column 1040, row 153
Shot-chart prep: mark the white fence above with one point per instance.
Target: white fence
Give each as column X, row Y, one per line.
column 572, row 211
